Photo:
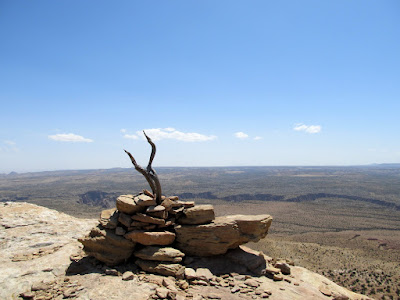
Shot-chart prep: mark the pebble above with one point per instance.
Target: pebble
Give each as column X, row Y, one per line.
column 128, row 275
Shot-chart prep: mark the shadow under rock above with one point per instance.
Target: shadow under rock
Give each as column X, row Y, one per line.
column 241, row 260
column 88, row 265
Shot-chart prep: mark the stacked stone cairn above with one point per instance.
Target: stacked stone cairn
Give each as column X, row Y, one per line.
column 167, row 239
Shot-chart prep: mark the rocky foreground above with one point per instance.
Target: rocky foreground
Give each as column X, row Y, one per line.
column 41, row 258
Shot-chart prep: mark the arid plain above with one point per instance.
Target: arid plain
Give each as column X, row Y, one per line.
column 342, row 222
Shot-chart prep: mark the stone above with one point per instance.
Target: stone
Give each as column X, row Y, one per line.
column 148, row 193
column 190, row 274
column 160, row 215
column 109, row 218
column 120, row 231
column 204, row 274
column 200, row 214
column 277, row 277
column 169, row 284
column 147, row 219
column 112, row 272
column 125, row 219
column 152, row 209
column 126, row 204
column 150, row 238
column 182, row 284
column 163, row 268
column 174, row 198
column 224, row 233
column 284, row 267
column 106, row 246
column 128, row 275
column 272, row 270
column 144, row 200
column 162, row 292
column 167, row 203
column 160, row 254
column 253, row 260
column 251, row 282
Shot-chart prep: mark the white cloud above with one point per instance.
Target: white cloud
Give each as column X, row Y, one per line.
column 8, row 146
column 307, row 128
column 257, row 138
column 131, row 136
column 123, row 130
column 10, row 143
column 69, row 137
column 157, row 134
column 241, row 135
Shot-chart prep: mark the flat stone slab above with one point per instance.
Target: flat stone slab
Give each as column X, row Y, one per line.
column 127, row 204
column 200, row 214
column 163, row 268
column 222, row 234
column 149, row 238
column 160, row 254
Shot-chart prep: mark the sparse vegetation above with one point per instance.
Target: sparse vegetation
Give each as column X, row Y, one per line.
column 343, row 223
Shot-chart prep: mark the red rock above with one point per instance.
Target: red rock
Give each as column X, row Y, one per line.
column 151, row 237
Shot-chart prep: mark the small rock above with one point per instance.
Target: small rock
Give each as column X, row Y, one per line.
column 174, row 198
column 163, row 268
column 252, row 283
column 245, row 290
column 39, row 286
column 182, row 284
column 144, row 200
column 284, row 267
column 147, row 219
column 278, row 277
column 109, row 218
column 128, row 275
column 120, row 231
column 204, row 274
column 169, row 284
column 264, row 296
column 162, row 292
column 272, row 270
column 27, row 295
column 235, row 289
column 190, row 273
column 200, row 282
column 125, row 219
column 112, row 272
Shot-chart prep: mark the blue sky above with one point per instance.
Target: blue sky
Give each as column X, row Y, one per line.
column 215, row 83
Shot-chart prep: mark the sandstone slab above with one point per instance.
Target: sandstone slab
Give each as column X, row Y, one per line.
column 200, row 214
column 109, row 218
column 144, row 200
column 163, row 268
column 148, row 219
column 222, row 234
column 106, row 246
column 149, row 238
column 127, row 204
column 160, row 254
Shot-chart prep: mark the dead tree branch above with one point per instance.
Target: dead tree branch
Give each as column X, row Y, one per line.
column 150, row 175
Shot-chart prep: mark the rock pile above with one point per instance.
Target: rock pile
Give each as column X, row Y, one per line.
column 160, row 236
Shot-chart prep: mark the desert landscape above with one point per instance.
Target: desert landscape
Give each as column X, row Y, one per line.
column 341, row 222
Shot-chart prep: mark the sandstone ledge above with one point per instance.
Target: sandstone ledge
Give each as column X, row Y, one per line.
column 222, row 234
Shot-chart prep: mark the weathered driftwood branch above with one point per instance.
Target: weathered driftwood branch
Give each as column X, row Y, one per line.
column 149, row 173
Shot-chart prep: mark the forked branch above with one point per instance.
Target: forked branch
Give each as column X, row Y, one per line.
column 149, row 173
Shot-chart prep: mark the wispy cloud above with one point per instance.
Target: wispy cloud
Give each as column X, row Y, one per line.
column 69, row 137
column 257, row 138
column 131, row 136
column 123, row 130
column 10, row 143
column 8, row 146
column 241, row 135
column 157, row 134
column 307, row 128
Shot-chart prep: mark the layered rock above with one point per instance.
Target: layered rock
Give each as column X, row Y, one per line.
column 107, row 246
column 222, row 234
